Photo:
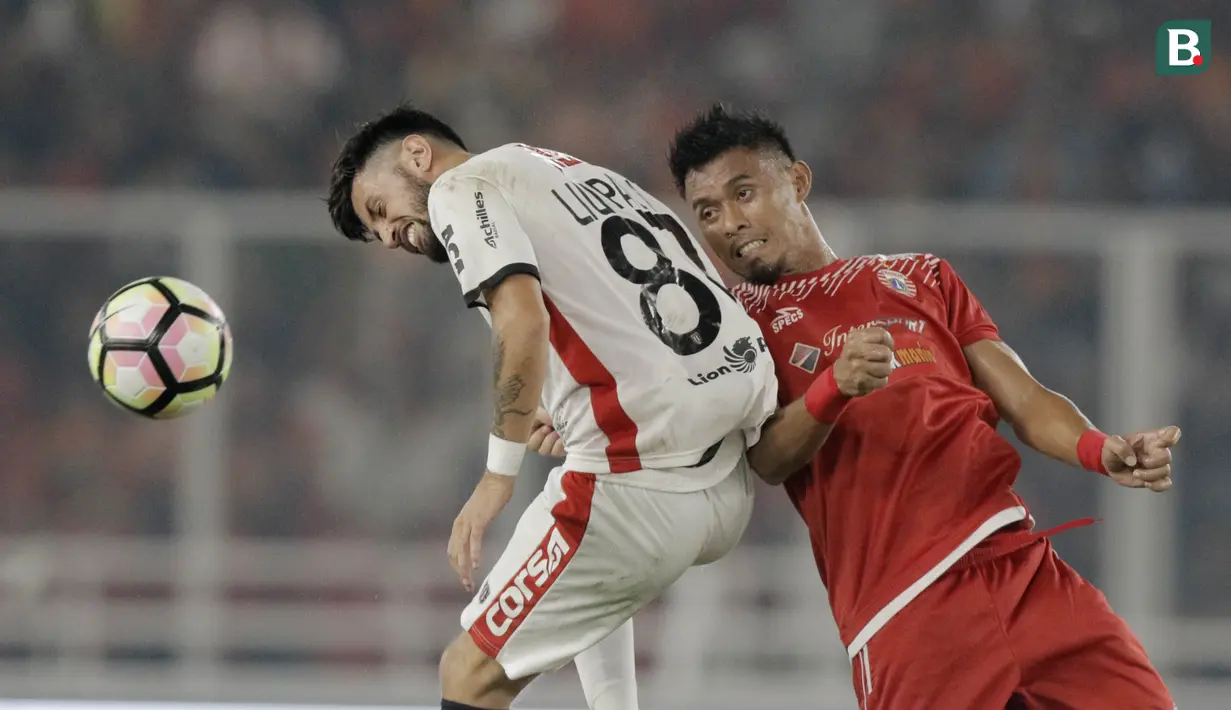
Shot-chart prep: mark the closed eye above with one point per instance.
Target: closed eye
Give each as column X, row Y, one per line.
column 376, row 208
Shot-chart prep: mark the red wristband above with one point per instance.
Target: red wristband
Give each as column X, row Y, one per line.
column 1090, row 451
column 823, row 399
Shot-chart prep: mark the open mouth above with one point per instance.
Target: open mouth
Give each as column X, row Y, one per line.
column 403, row 239
column 748, row 248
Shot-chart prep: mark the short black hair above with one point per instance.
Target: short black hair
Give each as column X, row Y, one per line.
column 717, row 130
column 371, row 136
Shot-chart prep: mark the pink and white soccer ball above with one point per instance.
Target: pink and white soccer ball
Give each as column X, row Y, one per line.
column 160, row 347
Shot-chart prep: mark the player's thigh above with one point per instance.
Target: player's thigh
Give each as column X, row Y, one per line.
column 1066, row 633
column 730, row 505
column 944, row 650
column 584, row 558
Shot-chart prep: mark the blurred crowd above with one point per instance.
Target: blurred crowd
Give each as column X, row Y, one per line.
column 991, row 99
column 365, row 427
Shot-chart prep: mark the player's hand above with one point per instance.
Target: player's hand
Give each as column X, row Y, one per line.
column 1151, row 452
column 544, row 439
column 865, row 362
column 466, row 542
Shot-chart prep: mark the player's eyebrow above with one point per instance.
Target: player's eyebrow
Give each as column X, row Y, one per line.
column 702, row 201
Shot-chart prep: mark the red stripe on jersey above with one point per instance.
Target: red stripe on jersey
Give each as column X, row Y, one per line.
column 609, row 414
column 517, row 599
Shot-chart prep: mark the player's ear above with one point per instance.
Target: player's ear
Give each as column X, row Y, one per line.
column 801, row 178
column 416, row 154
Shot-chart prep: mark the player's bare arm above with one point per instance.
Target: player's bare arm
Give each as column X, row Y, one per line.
column 1051, row 424
column 794, row 434
column 789, row 440
column 519, row 355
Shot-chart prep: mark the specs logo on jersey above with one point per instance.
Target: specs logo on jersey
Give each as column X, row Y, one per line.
column 897, row 281
column 485, row 222
column 806, row 357
column 741, row 356
column 785, row 317
column 455, row 252
column 518, row 594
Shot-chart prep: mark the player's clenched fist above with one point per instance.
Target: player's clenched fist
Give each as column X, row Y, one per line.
column 865, row 362
column 1141, row 460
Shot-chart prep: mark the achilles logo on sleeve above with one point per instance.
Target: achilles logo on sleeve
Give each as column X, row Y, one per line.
column 485, row 222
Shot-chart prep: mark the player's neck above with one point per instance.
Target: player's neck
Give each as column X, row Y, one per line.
column 448, row 161
column 815, row 257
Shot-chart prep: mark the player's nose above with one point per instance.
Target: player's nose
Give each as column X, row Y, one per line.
column 733, row 221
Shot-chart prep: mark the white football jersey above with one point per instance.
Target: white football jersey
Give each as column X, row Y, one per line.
column 656, row 375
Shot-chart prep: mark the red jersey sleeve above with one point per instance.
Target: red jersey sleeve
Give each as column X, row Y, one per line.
column 967, row 318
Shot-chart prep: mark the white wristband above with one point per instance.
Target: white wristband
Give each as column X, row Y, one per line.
column 503, row 456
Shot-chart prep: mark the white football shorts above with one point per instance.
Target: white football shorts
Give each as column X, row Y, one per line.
column 588, row 554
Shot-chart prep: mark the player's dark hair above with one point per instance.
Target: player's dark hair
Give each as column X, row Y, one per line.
column 717, row 130
column 372, row 136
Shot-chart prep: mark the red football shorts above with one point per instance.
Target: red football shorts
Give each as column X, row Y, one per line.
column 1019, row 631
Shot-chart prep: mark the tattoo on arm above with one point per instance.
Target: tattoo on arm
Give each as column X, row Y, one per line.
column 508, row 391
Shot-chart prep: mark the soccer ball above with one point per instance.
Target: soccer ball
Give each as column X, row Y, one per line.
column 160, row 347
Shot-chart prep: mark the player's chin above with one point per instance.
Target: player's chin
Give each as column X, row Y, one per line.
column 434, row 251
column 760, row 272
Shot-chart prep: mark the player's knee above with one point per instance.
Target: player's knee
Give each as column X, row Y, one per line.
column 467, row 675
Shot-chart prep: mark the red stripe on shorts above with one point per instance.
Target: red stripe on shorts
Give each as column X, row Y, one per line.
column 510, row 607
column 609, row 414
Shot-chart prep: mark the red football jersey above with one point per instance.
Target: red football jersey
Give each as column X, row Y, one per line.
column 914, row 475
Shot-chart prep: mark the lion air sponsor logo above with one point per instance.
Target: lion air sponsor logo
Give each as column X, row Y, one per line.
column 741, row 356
column 836, row 337
column 528, row 584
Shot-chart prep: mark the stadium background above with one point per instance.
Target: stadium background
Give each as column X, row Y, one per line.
column 287, row 545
